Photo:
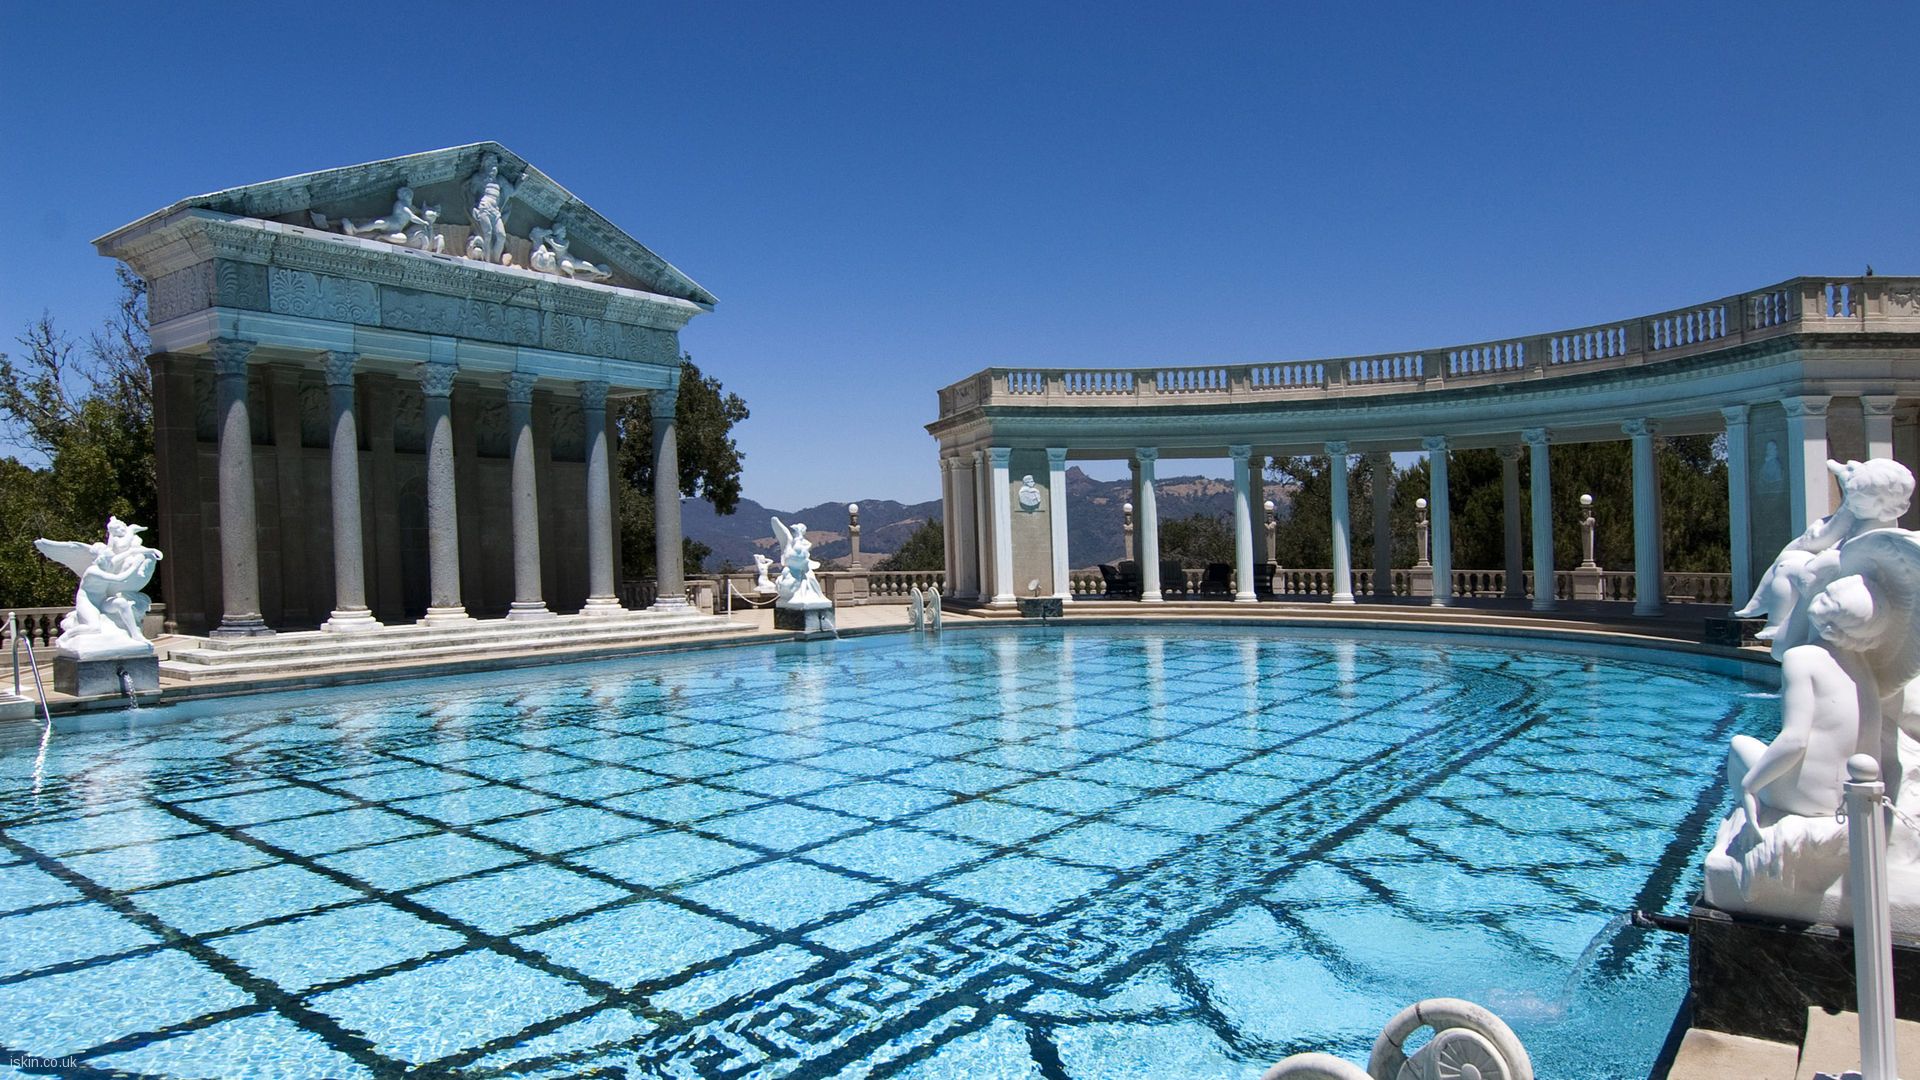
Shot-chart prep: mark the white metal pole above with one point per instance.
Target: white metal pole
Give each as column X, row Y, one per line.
column 1872, row 926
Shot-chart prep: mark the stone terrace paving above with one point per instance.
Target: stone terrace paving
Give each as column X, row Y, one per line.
column 863, row 859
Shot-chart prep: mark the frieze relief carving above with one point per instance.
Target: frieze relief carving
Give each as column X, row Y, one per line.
column 314, row 296
column 430, row 313
column 502, row 322
column 240, row 285
column 1905, row 301
column 316, row 415
column 409, row 420
column 180, row 293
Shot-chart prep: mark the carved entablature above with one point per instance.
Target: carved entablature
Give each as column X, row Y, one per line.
column 391, row 258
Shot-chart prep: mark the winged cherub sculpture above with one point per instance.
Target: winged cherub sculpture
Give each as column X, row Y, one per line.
column 797, row 588
column 108, row 606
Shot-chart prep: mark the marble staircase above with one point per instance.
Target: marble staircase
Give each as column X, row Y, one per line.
column 314, row 651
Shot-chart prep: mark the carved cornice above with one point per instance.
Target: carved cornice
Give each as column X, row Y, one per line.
column 230, row 355
column 340, row 367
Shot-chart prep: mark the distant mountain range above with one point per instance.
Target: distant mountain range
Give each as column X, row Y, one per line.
column 1094, row 533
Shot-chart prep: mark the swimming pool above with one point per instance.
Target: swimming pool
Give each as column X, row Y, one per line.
column 1173, row 852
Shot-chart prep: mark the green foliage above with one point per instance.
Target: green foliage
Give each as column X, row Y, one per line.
column 925, row 549
column 1197, row 541
column 704, row 415
column 88, row 414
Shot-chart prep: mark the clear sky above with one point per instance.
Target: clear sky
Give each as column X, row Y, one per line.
column 889, row 196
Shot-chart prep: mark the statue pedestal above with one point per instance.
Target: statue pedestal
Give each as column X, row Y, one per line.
column 807, row 622
column 1757, row 977
column 95, row 675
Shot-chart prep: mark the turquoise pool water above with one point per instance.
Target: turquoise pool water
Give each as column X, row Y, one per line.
column 1058, row 853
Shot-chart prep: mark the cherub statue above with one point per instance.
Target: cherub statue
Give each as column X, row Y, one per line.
column 550, row 256
column 490, row 190
column 1874, row 494
column 797, row 587
column 397, row 225
column 762, row 583
column 108, row 606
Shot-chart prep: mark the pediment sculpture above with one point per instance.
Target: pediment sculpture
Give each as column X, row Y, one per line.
column 1842, row 603
column 108, row 605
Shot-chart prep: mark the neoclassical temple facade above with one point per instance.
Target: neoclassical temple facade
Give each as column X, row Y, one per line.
column 382, row 394
column 1793, row 373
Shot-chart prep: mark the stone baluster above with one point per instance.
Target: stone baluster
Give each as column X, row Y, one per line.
column 528, row 602
column 1540, row 481
column 239, row 535
column 602, row 599
column 1242, row 524
column 1342, row 585
column 443, row 511
column 350, row 611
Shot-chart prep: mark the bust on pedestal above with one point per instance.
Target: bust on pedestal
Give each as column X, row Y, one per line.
column 101, row 649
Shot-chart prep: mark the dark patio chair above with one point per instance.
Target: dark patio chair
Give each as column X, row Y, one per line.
column 1173, row 578
column 1127, row 584
column 1219, row 580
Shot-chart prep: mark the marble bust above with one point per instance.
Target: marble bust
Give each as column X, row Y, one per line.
column 1029, row 494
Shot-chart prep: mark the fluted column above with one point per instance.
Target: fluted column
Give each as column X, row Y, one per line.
column 1242, row 524
column 1342, row 555
column 668, row 551
column 1649, row 589
column 524, row 500
column 1876, row 423
column 350, row 611
column 239, row 533
column 1510, row 519
column 1540, row 483
column 1057, row 519
column 1739, row 509
column 602, row 599
column 443, row 511
column 1807, row 458
column 1380, row 466
column 1002, row 495
column 1442, row 518
column 1147, row 527
column 983, row 518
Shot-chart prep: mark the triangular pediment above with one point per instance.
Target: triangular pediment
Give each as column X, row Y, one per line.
column 446, row 185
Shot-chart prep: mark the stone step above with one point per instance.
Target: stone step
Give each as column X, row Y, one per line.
column 479, row 633
column 307, row 662
column 418, row 631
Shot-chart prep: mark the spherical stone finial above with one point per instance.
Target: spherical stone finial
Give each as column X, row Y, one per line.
column 1268, row 505
column 1127, row 507
column 1586, row 500
column 1419, row 504
column 853, row 508
column 1863, row 768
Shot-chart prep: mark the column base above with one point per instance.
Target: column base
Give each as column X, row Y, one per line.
column 1653, row 612
column 525, row 610
column 351, row 621
column 1153, row 597
column 437, row 615
column 1245, row 598
column 670, row 603
column 1344, row 599
column 603, row 605
column 249, row 624
column 1545, row 605
column 1002, row 600
column 1065, row 598
column 1442, row 601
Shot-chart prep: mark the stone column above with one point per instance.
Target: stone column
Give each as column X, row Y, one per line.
column 966, row 565
column 1442, row 519
column 668, row 552
column 239, row 533
column 443, row 511
column 1510, row 517
column 1242, row 524
column 1807, row 475
column 350, row 610
column 1381, row 468
column 1739, row 513
column 1649, row 589
column 949, row 514
column 1057, row 519
column 983, row 519
column 1540, row 484
column 1002, row 497
column 1147, row 527
column 1876, row 415
column 525, row 502
column 1342, row 556
column 602, row 599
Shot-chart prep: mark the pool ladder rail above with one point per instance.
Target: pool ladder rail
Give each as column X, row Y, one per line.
column 17, row 640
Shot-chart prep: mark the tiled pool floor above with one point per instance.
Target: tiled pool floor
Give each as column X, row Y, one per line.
column 1006, row 854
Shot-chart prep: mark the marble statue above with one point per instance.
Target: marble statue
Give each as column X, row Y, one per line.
column 916, row 609
column 1873, row 496
column 933, row 608
column 1842, row 603
column 762, row 584
column 403, row 225
column 109, row 605
column 550, row 257
column 1029, row 494
column 797, row 589
column 491, row 191
column 1468, row 1041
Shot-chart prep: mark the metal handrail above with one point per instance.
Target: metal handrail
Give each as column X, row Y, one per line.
column 39, row 689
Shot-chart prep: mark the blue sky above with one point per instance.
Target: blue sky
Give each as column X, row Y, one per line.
column 887, row 197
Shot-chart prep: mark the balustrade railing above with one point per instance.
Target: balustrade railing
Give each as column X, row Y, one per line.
column 1824, row 304
column 39, row 625
column 1617, row 585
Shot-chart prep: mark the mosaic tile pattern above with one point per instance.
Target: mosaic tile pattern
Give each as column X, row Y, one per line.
column 1008, row 853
